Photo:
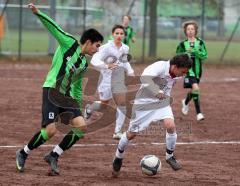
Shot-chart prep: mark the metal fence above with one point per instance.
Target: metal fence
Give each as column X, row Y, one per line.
column 21, row 33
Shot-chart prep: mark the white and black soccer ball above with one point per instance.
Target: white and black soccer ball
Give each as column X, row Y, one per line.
column 150, row 165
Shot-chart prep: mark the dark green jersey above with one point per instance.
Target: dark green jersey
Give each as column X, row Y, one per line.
column 129, row 34
column 68, row 64
column 198, row 54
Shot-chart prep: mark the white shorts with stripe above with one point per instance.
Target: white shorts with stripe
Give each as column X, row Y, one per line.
column 141, row 119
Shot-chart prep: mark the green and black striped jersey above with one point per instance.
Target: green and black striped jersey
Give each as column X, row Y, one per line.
column 68, row 64
column 129, row 34
column 198, row 54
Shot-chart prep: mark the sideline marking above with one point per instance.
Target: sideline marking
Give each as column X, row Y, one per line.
column 137, row 144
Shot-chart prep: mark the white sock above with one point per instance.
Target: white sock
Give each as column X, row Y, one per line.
column 26, row 149
column 120, row 115
column 171, row 140
column 122, row 145
column 58, row 150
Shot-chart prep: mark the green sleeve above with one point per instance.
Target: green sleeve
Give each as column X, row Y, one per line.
column 180, row 48
column 202, row 52
column 63, row 38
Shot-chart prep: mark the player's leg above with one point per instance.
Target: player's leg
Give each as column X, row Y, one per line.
column 105, row 96
column 187, row 84
column 171, row 138
column 120, row 114
column 122, row 145
column 196, row 99
column 77, row 131
column 140, row 121
column 49, row 112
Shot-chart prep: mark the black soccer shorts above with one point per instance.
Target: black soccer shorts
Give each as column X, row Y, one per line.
column 55, row 105
column 189, row 81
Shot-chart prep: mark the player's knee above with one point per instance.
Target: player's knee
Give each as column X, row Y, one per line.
column 51, row 130
column 79, row 123
column 170, row 125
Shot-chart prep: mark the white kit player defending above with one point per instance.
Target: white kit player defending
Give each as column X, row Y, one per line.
column 112, row 62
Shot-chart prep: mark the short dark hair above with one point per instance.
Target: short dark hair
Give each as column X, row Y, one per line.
column 91, row 34
column 116, row 27
column 182, row 61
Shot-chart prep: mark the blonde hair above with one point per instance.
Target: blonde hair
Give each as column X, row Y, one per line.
column 191, row 22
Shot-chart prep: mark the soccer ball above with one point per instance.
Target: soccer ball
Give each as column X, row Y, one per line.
column 150, row 165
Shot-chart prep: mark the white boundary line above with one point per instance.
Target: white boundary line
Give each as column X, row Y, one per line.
column 136, row 144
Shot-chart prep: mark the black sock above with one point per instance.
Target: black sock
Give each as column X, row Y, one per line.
column 188, row 98
column 23, row 153
column 54, row 154
column 196, row 103
column 38, row 139
column 70, row 139
column 169, row 151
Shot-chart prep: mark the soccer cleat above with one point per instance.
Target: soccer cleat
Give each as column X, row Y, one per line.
column 200, row 117
column 52, row 161
column 184, row 108
column 87, row 111
column 20, row 160
column 117, row 164
column 173, row 163
column 117, row 135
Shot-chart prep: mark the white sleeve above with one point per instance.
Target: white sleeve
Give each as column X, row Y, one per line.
column 97, row 59
column 152, row 71
column 155, row 69
column 128, row 68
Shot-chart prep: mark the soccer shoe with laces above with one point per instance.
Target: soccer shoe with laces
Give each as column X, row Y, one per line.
column 117, row 164
column 20, row 160
column 200, row 117
column 52, row 161
column 87, row 111
column 117, row 135
column 185, row 107
column 173, row 163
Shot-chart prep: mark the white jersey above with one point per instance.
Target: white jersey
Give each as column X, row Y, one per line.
column 154, row 78
column 99, row 61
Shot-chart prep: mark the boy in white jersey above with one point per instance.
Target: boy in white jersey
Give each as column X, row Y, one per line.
column 112, row 62
column 150, row 105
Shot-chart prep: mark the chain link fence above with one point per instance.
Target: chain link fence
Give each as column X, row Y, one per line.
column 21, row 33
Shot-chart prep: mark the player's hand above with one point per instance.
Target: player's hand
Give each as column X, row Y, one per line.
column 112, row 66
column 160, row 95
column 33, row 8
column 133, row 39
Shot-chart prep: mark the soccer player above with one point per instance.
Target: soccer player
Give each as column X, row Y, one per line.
column 129, row 33
column 196, row 48
column 64, row 81
column 150, row 105
column 111, row 60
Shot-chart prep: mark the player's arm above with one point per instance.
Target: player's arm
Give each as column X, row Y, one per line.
column 128, row 68
column 132, row 36
column 180, row 48
column 98, row 60
column 62, row 37
column 201, row 52
column 147, row 77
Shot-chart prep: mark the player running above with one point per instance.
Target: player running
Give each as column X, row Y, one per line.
column 111, row 60
column 64, row 82
column 195, row 47
column 150, row 105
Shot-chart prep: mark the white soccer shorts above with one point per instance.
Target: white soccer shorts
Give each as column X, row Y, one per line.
column 141, row 119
